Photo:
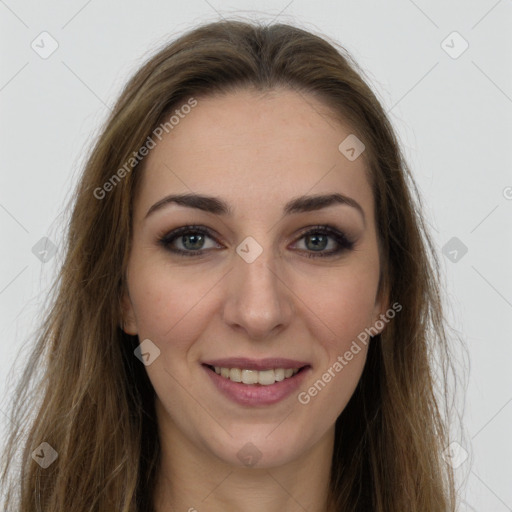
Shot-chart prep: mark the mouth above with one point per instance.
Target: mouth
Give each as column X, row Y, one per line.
column 253, row 377
column 256, row 383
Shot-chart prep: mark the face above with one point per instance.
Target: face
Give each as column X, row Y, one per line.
column 258, row 280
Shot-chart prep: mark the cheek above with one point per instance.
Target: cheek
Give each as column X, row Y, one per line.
column 165, row 300
column 340, row 310
column 174, row 304
column 343, row 302
column 339, row 314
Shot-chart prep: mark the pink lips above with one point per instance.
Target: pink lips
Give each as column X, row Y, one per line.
column 256, row 394
column 256, row 364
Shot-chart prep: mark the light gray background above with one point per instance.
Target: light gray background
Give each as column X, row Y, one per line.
column 453, row 115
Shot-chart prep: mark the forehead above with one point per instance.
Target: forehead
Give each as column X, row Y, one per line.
column 256, row 149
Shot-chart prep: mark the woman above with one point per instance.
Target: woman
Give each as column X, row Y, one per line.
column 249, row 306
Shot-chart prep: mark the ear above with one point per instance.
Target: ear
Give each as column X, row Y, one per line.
column 128, row 320
column 380, row 318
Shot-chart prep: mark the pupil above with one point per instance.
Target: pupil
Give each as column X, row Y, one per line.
column 195, row 239
column 317, row 245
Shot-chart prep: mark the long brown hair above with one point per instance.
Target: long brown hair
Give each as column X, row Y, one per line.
column 96, row 404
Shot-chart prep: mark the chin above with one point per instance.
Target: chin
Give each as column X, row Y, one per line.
column 260, row 447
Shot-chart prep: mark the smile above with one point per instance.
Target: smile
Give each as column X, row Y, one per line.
column 262, row 377
column 264, row 383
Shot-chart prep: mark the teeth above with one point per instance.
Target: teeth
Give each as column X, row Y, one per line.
column 263, row 377
column 266, row 377
column 279, row 374
column 235, row 374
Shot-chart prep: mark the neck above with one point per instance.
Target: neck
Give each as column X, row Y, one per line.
column 191, row 479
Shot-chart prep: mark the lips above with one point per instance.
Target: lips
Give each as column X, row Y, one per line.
column 254, row 393
column 270, row 363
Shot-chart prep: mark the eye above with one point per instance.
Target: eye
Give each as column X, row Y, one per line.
column 317, row 239
column 190, row 241
column 191, row 238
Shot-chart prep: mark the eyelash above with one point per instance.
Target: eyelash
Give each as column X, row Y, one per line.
column 344, row 243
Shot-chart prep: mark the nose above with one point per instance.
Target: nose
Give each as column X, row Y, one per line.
column 259, row 301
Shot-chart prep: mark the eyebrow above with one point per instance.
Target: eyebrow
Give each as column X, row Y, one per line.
column 218, row 206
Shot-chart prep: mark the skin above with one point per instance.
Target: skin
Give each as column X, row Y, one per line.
column 256, row 151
